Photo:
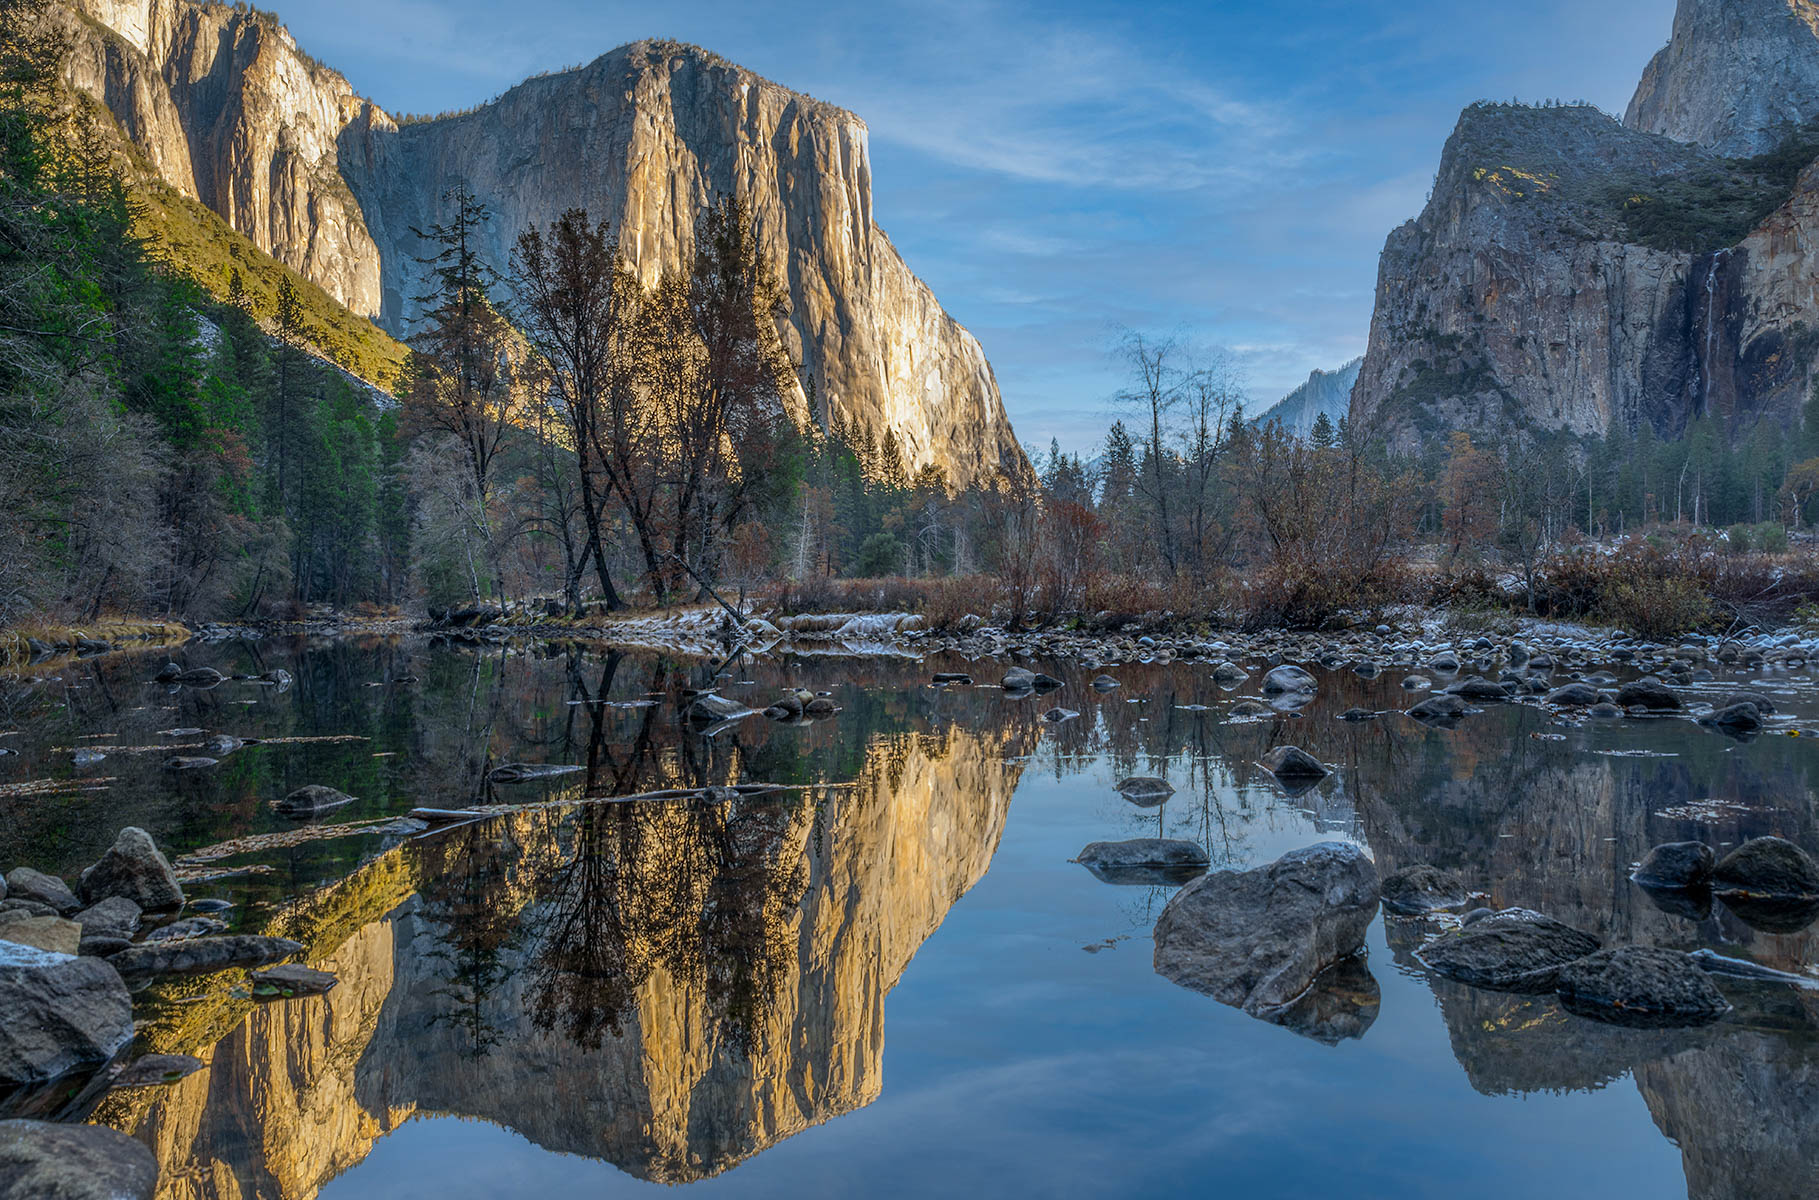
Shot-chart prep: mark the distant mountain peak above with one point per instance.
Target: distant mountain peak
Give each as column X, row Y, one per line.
column 1328, row 392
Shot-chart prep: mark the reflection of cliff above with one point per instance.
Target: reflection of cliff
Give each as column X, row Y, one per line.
column 670, row 987
column 1745, row 1114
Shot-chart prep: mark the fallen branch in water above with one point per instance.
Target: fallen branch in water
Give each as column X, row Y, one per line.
column 285, row 839
column 439, row 816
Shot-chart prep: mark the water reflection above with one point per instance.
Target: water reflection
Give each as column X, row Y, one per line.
column 674, row 986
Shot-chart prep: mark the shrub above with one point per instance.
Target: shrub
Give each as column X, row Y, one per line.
column 879, row 554
column 1771, row 538
column 1737, row 539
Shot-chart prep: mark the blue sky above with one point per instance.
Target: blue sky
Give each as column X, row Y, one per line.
column 1227, row 171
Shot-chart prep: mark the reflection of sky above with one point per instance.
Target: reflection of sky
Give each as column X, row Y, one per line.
column 1018, row 1065
column 1055, row 170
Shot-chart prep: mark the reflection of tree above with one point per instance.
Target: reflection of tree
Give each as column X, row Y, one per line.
column 704, row 893
column 466, row 895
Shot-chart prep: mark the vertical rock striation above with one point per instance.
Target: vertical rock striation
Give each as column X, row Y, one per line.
column 225, row 107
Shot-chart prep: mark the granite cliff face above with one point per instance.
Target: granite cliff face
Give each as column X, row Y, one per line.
column 1735, row 75
column 1328, row 392
column 228, row 109
column 1573, row 274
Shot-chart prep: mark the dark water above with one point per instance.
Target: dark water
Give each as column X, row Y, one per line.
column 891, row 980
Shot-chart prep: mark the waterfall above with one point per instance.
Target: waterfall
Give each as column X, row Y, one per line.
column 1711, row 329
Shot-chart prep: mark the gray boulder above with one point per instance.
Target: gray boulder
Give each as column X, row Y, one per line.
column 1144, row 852
column 1650, row 693
column 61, row 1013
column 199, row 956
column 187, row 928
column 1768, row 867
column 1436, row 710
column 1422, row 889
column 1676, row 865
column 24, row 883
column 710, row 709
column 203, row 677
column 1736, row 718
column 1762, row 703
column 1105, row 683
column 1292, row 762
column 1515, row 950
column 115, row 916
column 133, row 868
column 1258, row 939
column 1229, row 672
column 44, row 1161
column 1640, row 986
column 1574, row 695
column 190, row 762
column 1478, row 688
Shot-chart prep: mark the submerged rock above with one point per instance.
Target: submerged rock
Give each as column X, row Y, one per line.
column 1422, row 889
column 1478, row 688
column 527, row 772
column 201, row 677
column 1641, row 986
column 1229, row 672
column 1145, row 860
column 44, row 1161
column 1768, row 867
column 1145, row 790
column 188, row 927
column 60, row 1013
column 158, row 1070
column 311, row 799
column 1105, row 683
column 1676, row 865
column 1515, row 950
column 134, row 868
column 190, row 762
column 199, row 956
column 1357, row 714
column 291, row 979
column 1258, row 939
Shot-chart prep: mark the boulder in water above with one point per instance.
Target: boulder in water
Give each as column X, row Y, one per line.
column 24, row 883
column 1288, row 678
column 1676, row 865
column 1515, row 950
column 44, row 1161
column 61, row 1013
column 116, row 916
column 199, row 956
column 1573, row 695
column 1145, row 860
column 1294, row 763
column 1640, row 986
column 1650, row 693
column 311, row 799
column 1258, row 939
column 1145, row 790
column 1767, row 867
column 134, row 868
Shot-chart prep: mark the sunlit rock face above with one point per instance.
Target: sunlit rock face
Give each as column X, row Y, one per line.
column 668, row 987
column 230, row 112
column 1735, row 73
column 228, row 109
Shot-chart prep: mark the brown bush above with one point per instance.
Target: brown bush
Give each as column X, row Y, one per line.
column 1292, row 595
column 1652, row 588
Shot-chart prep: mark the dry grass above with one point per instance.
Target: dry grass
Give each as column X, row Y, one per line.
column 15, row 640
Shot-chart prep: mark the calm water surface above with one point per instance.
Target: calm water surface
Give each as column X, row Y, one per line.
column 891, row 980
